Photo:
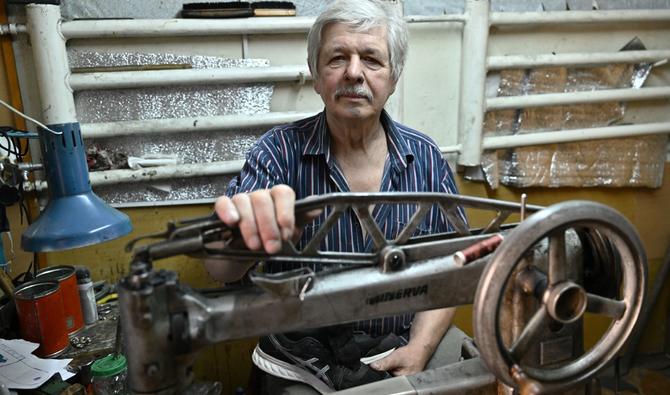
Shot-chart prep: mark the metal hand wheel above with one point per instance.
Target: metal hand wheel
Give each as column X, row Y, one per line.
column 564, row 300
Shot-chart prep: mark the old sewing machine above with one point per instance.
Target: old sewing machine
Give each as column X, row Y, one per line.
column 529, row 297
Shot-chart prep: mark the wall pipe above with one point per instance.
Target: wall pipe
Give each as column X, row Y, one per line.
column 567, row 136
column 51, row 64
column 556, row 99
column 473, row 77
column 186, row 27
column 574, row 59
column 556, row 17
column 110, row 177
column 12, row 29
column 459, row 18
column 115, row 28
column 192, row 124
column 451, row 149
column 189, row 170
column 138, row 79
column 143, row 79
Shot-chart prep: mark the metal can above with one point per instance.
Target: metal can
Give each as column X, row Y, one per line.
column 65, row 275
column 39, row 305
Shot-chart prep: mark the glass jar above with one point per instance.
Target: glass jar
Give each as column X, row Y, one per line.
column 109, row 375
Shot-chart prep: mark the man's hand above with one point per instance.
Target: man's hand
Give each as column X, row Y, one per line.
column 404, row 361
column 427, row 331
column 264, row 217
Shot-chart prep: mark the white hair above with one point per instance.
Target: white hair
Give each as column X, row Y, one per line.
column 362, row 15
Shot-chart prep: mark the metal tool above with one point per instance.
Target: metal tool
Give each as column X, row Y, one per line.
column 164, row 323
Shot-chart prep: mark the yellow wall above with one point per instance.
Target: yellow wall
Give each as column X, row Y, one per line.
column 109, row 261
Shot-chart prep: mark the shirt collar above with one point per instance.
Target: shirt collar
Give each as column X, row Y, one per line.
column 399, row 151
column 319, row 141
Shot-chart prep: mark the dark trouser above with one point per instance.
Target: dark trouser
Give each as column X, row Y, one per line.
column 447, row 352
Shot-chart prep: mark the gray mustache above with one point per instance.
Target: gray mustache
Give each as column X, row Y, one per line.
column 358, row 90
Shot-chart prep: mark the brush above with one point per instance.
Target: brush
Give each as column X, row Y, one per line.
column 273, row 8
column 234, row 9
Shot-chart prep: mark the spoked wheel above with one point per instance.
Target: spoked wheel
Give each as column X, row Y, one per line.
column 563, row 300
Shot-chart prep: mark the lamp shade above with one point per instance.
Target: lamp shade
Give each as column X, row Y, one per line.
column 74, row 216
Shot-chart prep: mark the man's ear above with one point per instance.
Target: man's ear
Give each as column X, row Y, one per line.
column 315, row 81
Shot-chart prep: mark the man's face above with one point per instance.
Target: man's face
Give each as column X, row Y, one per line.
column 354, row 72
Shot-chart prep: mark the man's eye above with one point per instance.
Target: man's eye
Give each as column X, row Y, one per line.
column 372, row 61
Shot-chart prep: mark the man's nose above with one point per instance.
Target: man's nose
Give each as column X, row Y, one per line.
column 354, row 71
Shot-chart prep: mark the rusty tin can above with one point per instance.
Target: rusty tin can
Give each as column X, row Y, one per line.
column 39, row 305
column 66, row 276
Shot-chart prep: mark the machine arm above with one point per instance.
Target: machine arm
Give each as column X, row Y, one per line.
column 200, row 236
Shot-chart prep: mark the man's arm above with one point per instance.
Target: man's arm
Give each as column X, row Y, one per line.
column 427, row 331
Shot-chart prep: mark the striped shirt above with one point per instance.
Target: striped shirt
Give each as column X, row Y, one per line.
column 299, row 155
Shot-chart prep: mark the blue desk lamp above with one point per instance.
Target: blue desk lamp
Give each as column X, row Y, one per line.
column 74, row 216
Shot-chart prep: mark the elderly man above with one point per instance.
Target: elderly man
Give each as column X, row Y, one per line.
column 356, row 53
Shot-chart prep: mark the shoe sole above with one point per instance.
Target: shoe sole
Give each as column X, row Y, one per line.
column 285, row 370
column 374, row 358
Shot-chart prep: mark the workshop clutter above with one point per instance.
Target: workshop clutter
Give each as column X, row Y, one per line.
column 87, row 296
column 109, row 375
column 49, row 309
column 39, row 305
column 65, row 275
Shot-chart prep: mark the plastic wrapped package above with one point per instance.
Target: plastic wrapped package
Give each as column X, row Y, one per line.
column 622, row 162
column 619, row 162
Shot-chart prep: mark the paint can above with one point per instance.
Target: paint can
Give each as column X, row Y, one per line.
column 66, row 277
column 39, row 305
